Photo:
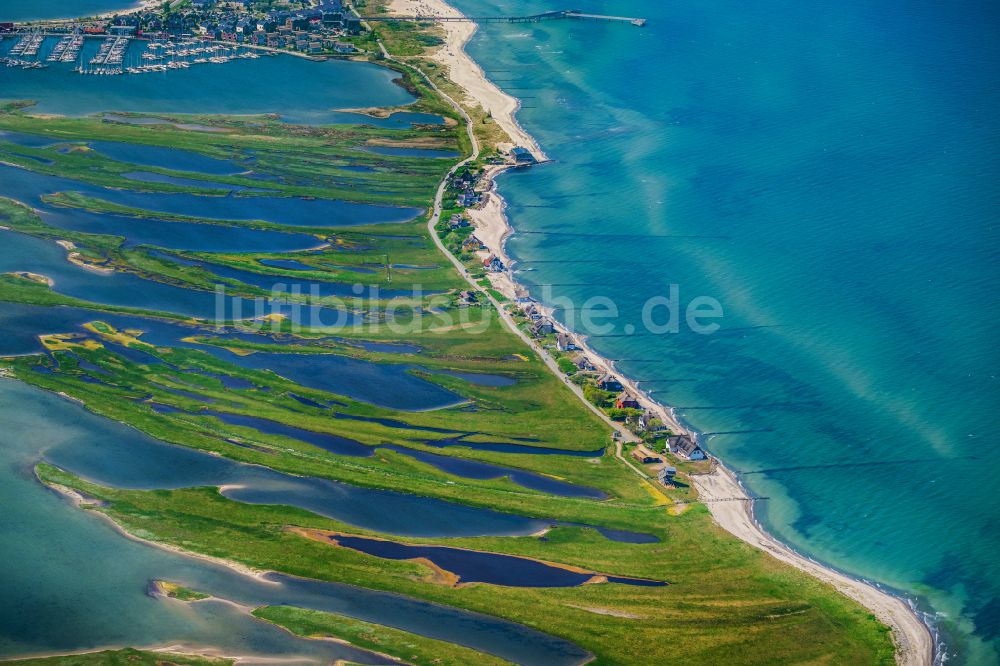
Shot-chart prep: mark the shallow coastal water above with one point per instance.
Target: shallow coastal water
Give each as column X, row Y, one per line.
column 29, row 10
column 827, row 173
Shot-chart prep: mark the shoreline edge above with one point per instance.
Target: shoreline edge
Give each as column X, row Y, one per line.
column 913, row 638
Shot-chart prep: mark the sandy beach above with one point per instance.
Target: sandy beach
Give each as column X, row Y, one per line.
column 914, row 643
column 466, row 72
column 913, row 639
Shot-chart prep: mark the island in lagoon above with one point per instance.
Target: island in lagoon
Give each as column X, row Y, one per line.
column 283, row 359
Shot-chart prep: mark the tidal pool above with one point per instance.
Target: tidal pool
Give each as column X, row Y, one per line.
column 473, row 469
column 26, row 140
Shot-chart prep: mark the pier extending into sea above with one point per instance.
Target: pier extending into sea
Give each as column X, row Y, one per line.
column 533, row 18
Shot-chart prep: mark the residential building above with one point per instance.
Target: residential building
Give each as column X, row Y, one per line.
column 607, row 382
column 685, row 447
column 466, row 298
column 645, row 456
column 472, row 244
column 493, row 263
column 565, row 343
column 542, row 327
column 626, row 400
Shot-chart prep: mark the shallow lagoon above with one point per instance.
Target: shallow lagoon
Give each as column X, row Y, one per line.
column 171, row 235
column 27, row 186
column 19, row 252
column 310, row 91
column 34, row 613
column 380, row 384
column 165, row 158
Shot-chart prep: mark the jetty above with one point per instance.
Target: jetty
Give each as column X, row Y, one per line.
column 533, row 18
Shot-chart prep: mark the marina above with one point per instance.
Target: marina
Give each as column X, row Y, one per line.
column 120, row 55
column 67, row 49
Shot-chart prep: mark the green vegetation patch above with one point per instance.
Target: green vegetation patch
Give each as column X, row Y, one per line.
column 410, row 648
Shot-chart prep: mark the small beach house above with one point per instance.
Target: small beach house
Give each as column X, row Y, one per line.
column 645, row 456
column 565, row 343
column 493, row 263
column 626, row 400
column 472, row 244
column 685, row 447
column 542, row 327
column 608, row 382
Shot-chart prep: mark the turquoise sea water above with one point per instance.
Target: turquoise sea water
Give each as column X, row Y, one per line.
column 31, row 10
column 832, row 170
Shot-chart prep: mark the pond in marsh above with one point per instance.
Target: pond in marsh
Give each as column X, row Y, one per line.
column 171, row 235
column 472, row 566
column 153, row 177
column 165, row 158
column 28, row 186
column 395, row 151
column 19, row 252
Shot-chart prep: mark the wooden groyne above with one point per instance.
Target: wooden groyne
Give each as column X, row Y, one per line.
column 533, row 18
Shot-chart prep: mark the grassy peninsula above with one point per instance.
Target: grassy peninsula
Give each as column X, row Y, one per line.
column 725, row 603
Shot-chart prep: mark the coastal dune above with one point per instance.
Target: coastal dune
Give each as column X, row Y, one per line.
column 727, row 500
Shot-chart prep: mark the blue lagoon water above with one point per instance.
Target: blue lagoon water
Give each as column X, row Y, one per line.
column 310, row 92
column 67, row 600
column 827, row 172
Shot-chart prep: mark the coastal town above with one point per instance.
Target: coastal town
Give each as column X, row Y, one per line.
column 179, row 35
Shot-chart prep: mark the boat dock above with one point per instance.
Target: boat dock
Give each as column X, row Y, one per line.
column 533, row 18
